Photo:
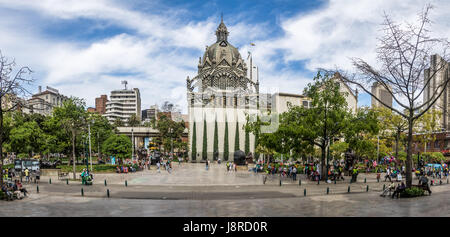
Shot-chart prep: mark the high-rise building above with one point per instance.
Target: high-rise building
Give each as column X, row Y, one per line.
column 100, row 104
column 149, row 114
column 381, row 93
column 123, row 104
column 436, row 76
column 44, row 101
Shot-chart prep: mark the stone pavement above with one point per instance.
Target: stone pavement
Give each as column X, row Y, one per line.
column 190, row 190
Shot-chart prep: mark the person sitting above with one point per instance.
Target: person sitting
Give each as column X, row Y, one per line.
column 16, row 192
column 389, row 189
column 5, row 190
column 21, row 188
column 117, row 169
column 400, row 188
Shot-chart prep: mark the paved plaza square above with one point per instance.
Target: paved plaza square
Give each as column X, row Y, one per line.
column 190, row 190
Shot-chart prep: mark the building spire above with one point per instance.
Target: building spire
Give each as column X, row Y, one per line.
column 222, row 32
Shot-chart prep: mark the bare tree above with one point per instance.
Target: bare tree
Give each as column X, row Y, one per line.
column 11, row 89
column 403, row 54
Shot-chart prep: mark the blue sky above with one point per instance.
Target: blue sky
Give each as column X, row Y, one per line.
column 85, row 48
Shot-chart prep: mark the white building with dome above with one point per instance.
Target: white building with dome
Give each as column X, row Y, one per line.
column 221, row 94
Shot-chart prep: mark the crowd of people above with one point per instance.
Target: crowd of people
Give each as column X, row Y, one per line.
column 14, row 190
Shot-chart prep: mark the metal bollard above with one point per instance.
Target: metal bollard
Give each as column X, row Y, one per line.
column 82, row 192
column 365, row 180
column 367, row 188
column 328, row 190
column 280, row 182
column 67, row 181
column 348, row 189
column 126, row 183
column 384, row 187
column 105, row 182
column 304, row 192
column 318, row 181
column 50, row 181
column 334, row 181
column 300, row 182
column 37, row 188
column 107, row 192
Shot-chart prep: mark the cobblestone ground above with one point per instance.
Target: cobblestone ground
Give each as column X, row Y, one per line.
column 190, row 190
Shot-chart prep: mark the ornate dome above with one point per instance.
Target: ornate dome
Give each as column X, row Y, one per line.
column 222, row 53
column 222, row 66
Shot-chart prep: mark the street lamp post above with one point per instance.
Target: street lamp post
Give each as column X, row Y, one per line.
column 132, row 141
column 171, row 141
column 98, row 146
column 378, row 149
column 90, row 149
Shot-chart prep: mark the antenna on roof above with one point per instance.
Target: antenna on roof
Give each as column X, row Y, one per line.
column 221, row 17
column 125, row 83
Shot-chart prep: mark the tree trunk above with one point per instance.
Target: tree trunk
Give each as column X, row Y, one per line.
column 322, row 167
column 397, row 139
column 1, row 145
column 409, row 155
column 73, row 155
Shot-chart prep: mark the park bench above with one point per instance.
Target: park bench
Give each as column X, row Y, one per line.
column 63, row 175
column 421, row 187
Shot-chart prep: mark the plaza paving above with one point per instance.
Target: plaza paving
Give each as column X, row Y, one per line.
column 190, row 190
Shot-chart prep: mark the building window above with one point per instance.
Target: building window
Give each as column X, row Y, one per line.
column 305, row 104
column 224, row 101
column 235, row 101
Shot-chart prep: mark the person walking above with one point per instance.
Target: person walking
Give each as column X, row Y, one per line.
column 207, row 164
column 27, row 175
column 294, row 173
column 388, row 175
column 158, row 166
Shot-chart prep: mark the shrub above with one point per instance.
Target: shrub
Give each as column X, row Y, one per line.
column 413, row 192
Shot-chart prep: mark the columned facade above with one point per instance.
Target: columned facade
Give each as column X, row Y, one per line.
column 219, row 99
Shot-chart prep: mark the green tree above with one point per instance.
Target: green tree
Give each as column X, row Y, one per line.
column 133, row 121
column 362, row 126
column 118, row 146
column 26, row 138
column 101, row 130
column 403, row 57
column 427, row 126
column 216, row 140
column 205, row 142
column 226, row 152
column 169, row 129
column 326, row 120
column 247, row 142
column 194, row 142
column 12, row 86
column 71, row 117
column 118, row 123
column 338, row 148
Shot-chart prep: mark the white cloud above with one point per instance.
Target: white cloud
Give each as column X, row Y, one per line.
column 165, row 48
